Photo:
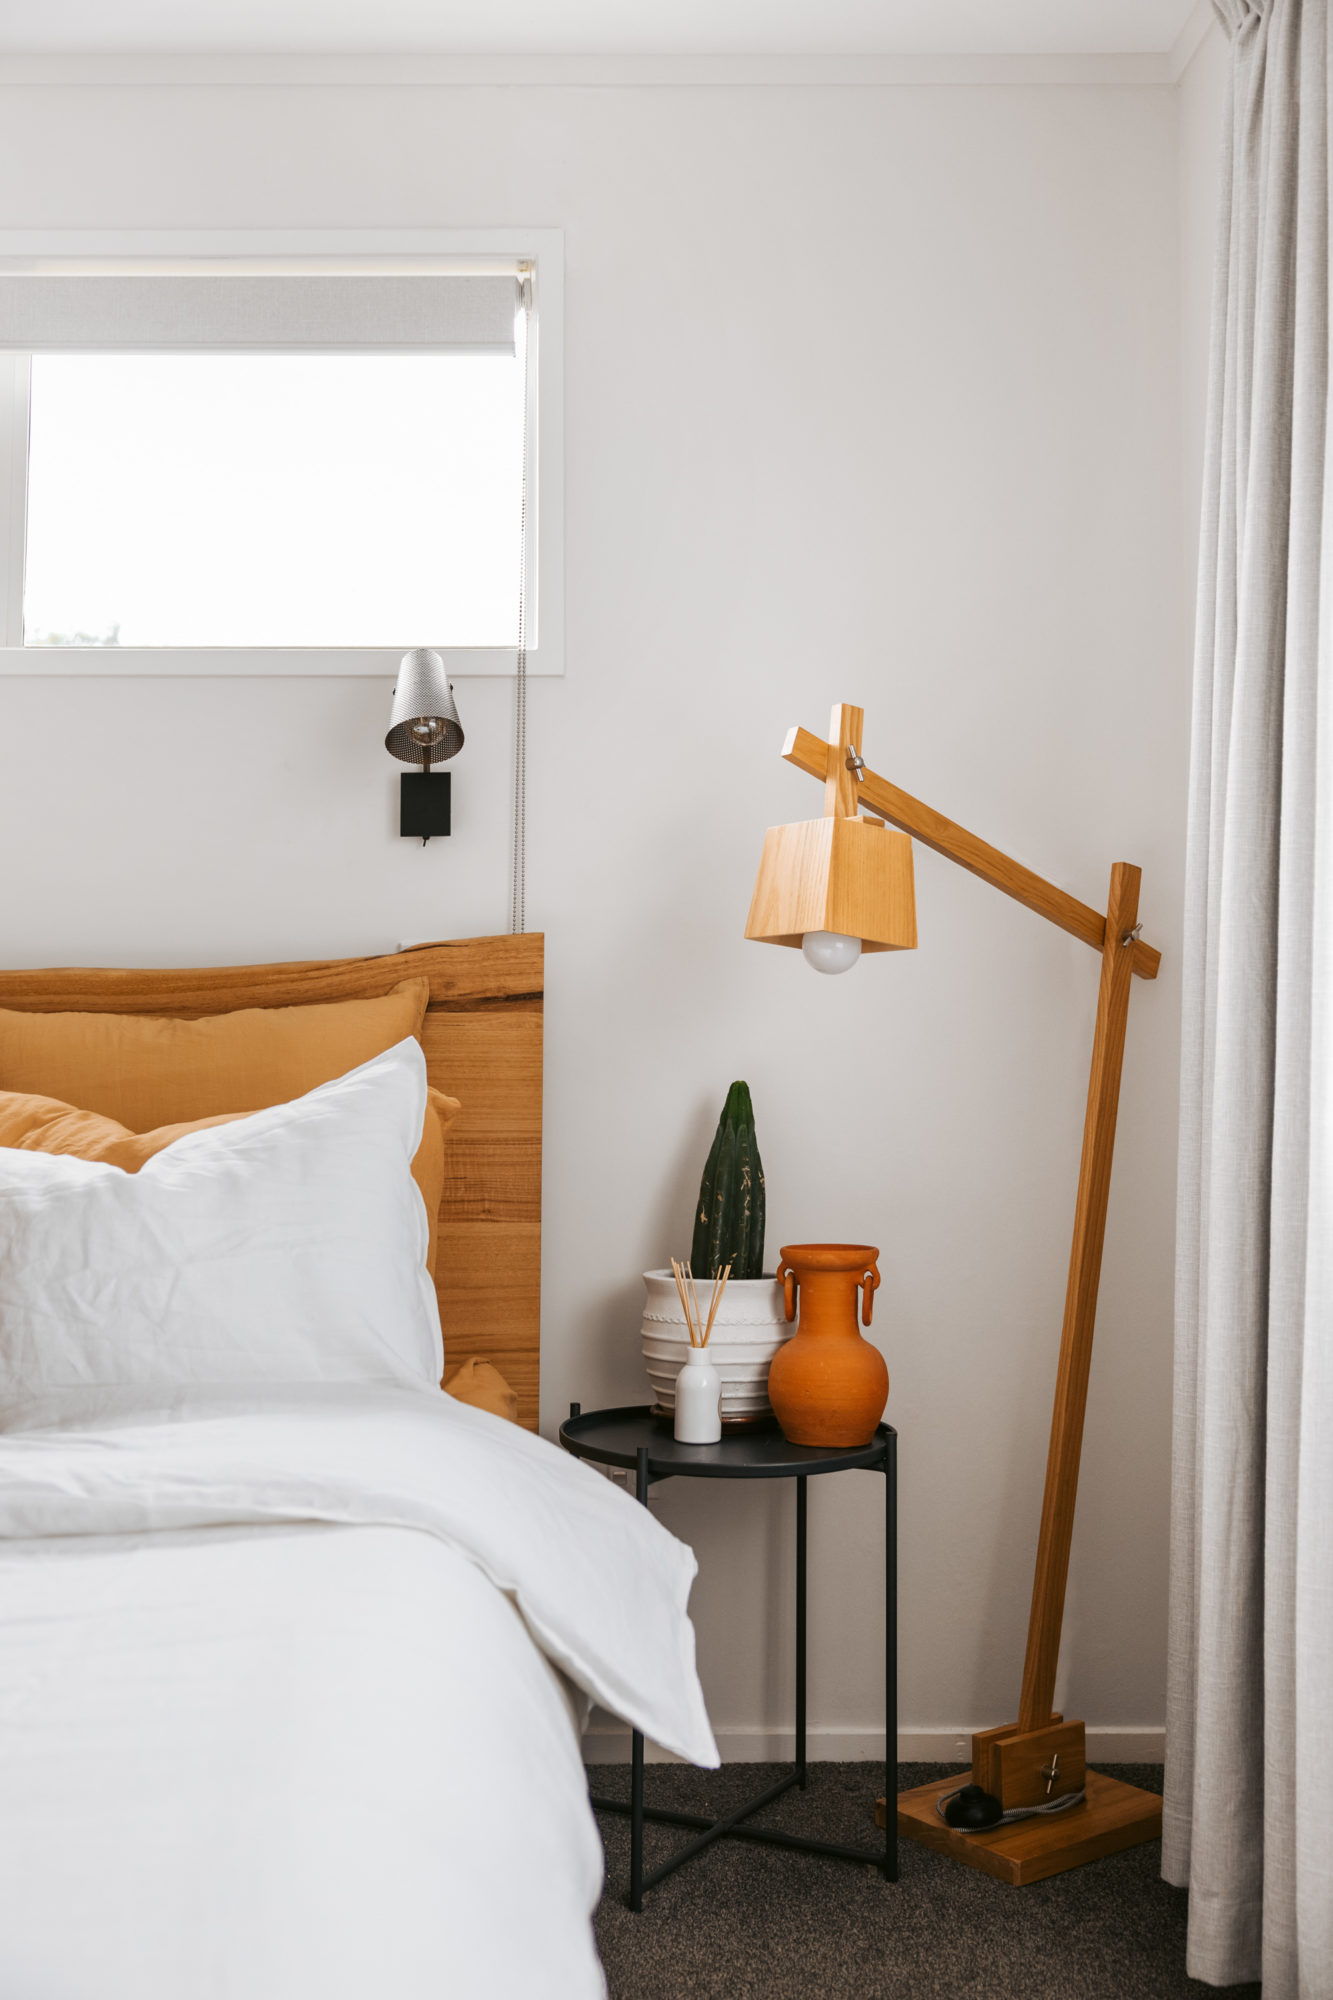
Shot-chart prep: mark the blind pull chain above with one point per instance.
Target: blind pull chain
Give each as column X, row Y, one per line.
column 518, row 883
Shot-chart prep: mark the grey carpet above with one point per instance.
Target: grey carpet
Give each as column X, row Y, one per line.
column 745, row 1922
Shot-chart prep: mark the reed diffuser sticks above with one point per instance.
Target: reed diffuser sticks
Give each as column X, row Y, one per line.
column 719, row 1286
column 683, row 1275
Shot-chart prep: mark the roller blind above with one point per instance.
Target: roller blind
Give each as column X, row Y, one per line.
column 215, row 313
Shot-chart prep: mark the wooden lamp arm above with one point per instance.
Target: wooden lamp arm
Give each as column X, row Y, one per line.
column 811, row 754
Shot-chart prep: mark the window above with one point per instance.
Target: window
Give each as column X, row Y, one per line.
column 273, row 500
column 273, row 467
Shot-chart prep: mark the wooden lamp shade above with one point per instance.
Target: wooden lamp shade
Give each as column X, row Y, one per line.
column 852, row 876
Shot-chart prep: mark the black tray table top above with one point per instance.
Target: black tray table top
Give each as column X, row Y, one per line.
column 616, row 1437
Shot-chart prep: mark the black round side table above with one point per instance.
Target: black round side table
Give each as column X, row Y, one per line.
column 640, row 1442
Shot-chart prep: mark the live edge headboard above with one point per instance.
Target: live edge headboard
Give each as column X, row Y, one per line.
column 483, row 1043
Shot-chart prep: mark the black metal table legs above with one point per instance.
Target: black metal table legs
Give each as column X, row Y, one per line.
column 890, row 1861
column 734, row 1826
column 801, row 1502
column 636, row 1745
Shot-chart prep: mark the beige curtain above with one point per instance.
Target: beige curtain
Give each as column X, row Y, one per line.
column 1249, row 1789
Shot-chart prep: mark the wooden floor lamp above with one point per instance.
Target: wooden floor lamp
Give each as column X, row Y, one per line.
column 832, row 890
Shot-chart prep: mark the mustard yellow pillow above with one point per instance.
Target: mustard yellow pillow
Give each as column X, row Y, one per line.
column 477, row 1383
column 45, row 1125
column 150, row 1070
column 428, row 1166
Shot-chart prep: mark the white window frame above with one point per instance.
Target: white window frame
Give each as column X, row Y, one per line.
column 358, row 249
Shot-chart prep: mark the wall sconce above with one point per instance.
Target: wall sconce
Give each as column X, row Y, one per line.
column 424, row 729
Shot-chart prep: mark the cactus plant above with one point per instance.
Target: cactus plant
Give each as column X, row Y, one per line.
column 729, row 1218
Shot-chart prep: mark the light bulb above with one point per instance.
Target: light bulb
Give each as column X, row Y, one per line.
column 830, row 951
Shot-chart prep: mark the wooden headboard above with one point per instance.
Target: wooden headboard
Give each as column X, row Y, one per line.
column 483, row 1043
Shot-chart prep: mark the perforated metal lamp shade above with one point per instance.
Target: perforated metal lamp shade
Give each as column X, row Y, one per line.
column 423, row 723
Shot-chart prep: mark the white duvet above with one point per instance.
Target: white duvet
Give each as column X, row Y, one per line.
column 287, row 1699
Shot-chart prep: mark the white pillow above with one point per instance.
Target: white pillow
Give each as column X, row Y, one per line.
column 287, row 1247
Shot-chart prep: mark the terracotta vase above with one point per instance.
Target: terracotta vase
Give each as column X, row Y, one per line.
column 828, row 1386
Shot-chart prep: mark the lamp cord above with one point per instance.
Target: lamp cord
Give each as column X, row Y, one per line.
column 518, row 882
column 1017, row 1812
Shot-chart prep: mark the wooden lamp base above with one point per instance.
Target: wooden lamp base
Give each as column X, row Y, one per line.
column 1028, row 1767
column 1113, row 1816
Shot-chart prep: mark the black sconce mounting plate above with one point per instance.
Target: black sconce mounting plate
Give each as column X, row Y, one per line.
column 423, row 811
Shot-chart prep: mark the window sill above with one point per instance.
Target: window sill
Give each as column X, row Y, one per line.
column 256, row 663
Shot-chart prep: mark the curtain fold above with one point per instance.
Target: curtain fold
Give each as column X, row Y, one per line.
column 1249, row 1786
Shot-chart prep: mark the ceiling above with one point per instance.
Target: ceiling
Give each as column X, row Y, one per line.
column 593, row 27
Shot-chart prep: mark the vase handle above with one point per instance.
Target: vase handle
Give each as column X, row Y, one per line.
column 788, row 1281
column 869, row 1286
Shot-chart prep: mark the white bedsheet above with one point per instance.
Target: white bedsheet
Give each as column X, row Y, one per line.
column 280, row 1712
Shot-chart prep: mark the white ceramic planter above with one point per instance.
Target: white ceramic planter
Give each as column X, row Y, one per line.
column 749, row 1329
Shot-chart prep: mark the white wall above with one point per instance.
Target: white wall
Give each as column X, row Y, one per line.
column 871, row 395
column 1202, row 96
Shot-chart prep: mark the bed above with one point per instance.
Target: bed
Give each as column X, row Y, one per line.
column 292, row 1676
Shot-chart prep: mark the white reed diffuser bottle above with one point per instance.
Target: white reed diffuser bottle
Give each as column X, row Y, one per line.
column 698, row 1385
column 698, row 1400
